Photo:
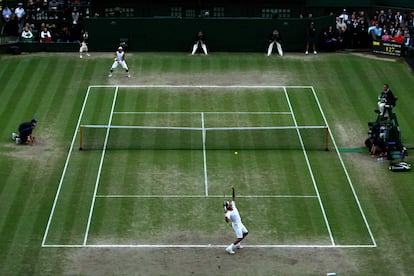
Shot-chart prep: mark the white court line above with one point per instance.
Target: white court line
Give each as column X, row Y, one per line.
column 62, row 177
column 204, row 196
column 206, row 246
column 197, row 246
column 99, row 170
column 345, row 170
column 204, row 154
column 311, row 172
column 206, row 112
column 199, row 86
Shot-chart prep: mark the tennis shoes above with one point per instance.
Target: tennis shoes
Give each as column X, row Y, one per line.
column 15, row 137
column 110, row 75
column 230, row 248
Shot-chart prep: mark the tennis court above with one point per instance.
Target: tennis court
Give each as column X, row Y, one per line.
column 157, row 161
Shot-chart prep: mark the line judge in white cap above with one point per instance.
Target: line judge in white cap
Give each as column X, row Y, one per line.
column 119, row 60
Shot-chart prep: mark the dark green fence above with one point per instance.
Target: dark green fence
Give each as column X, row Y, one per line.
column 173, row 34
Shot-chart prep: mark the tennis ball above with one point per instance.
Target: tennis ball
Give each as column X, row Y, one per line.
column 236, row 152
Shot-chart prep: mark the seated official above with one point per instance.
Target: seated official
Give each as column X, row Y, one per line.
column 27, row 35
column 331, row 39
column 45, row 36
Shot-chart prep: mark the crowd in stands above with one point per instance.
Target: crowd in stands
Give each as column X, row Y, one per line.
column 45, row 20
column 61, row 21
column 356, row 29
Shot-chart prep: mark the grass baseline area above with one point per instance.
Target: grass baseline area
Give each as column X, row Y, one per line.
column 209, row 172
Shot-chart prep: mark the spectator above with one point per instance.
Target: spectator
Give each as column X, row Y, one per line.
column 342, row 28
column 64, row 35
column 406, row 31
column 45, row 36
column 44, row 7
column 363, row 37
column 275, row 38
column 398, row 37
column 31, row 28
column 398, row 18
column 27, row 35
column 376, row 31
column 311, row 38
column 53, row 8
column 199, row 42
column 353, row 33
column 53, row 5
column 31, row 7
column 11, row 28
column 75, row 16
column 350, row 32
column 374, row 20
column 381, row 19
column 390, row 15
column 7, row 12
column 392, row 31
column 330, row 39
column 410, row 19
column 344, row 15
column 20, row 12
column 386, row 36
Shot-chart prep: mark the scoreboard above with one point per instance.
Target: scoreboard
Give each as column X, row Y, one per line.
column 388, row 48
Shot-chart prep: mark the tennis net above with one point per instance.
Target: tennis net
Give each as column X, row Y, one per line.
column 97, row 137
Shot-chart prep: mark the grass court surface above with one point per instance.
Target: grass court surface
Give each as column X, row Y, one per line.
column 308, row 210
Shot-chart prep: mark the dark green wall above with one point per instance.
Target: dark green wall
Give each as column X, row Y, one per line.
column 172, row 34
column 395, row 3
column 340, row 3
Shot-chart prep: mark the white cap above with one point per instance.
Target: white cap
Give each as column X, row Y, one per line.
column 119, row 48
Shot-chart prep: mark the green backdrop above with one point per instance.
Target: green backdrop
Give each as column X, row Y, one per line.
column 173, row 34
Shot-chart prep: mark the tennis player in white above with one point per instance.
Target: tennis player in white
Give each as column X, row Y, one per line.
column 119, row 60
column 231, row 214
column 83, row 49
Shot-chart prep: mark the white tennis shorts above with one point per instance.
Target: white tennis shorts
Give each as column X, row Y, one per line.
column 122, row 63
column 240, row 229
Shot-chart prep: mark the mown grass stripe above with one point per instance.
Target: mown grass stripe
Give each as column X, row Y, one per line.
column 58, row 107
column 34, row 211
column 14, row 91
column 15, row 212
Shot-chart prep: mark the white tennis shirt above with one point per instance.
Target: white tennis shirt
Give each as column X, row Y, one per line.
column 234, row 215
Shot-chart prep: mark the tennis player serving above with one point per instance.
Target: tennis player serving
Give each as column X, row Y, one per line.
column 231, row 214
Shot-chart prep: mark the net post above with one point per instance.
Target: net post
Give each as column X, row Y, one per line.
column 326, row 139
column 81, row 137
